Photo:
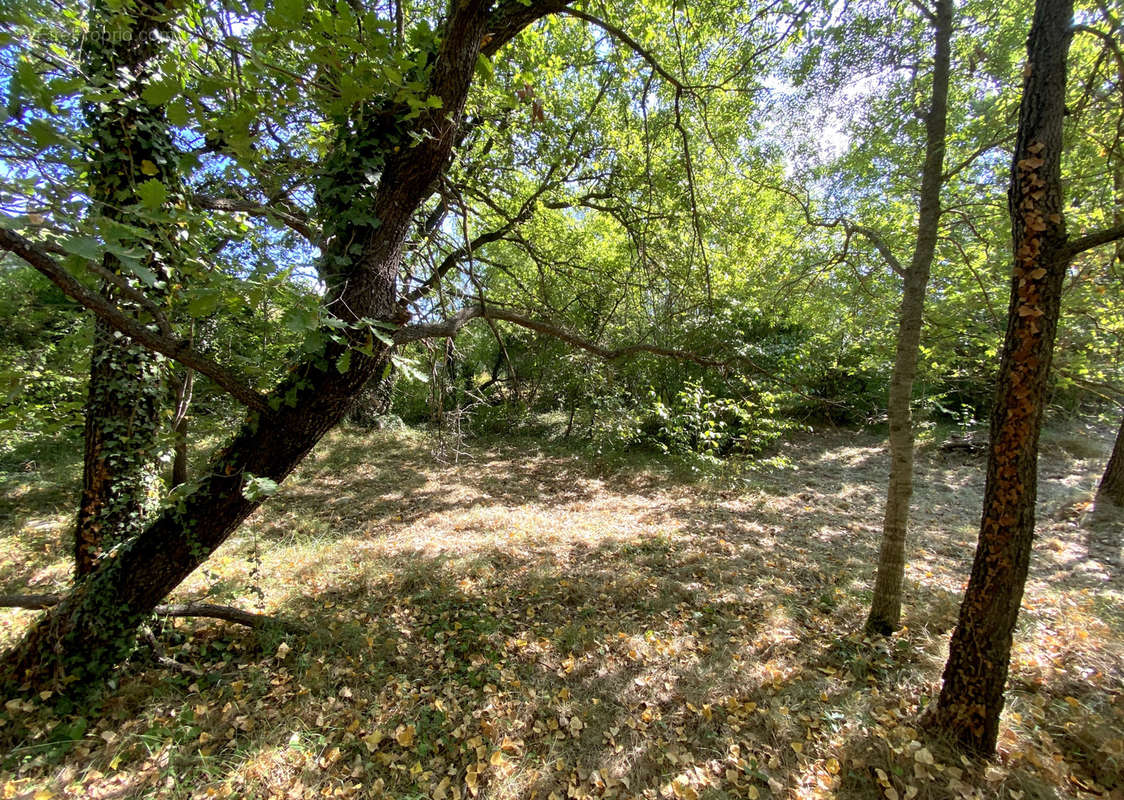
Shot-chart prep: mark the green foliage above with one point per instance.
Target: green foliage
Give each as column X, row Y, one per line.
column 696, row 422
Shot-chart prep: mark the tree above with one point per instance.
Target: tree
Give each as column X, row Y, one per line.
column 885, row 608
column 971, row 696
column 407, row 145
column 133, row 173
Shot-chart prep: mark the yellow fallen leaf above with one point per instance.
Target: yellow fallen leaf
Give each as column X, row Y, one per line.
column 832, row 766
column 797, row 746
column 372, row 740
column 923, row 756
column 497, row 758
column 404, row 734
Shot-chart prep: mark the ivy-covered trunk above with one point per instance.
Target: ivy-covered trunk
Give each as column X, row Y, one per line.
column 885, row 608
column 130, row 148
column 971, row 697
column 91, row 630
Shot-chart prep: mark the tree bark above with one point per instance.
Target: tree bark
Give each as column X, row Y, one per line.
column 971, row 697
column 1112, row 482
column 131, row 145
column 885, row 609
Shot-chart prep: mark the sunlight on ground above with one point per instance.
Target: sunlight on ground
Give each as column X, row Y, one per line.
column 532, row 624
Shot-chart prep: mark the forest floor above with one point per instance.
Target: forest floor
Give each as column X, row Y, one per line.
column 534, row 623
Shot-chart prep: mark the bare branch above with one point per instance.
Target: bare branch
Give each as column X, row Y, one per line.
column 291, row 218
column 177, row 349
column 207, row 610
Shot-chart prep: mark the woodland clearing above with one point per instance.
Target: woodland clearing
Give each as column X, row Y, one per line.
column 535, row 622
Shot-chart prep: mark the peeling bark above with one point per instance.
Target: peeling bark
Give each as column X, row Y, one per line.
column 971, row 697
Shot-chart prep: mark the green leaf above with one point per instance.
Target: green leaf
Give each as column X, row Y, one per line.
column 344, row 362
column 289, row 12
column 255, row 488
column 152, row 194
column 485, row 72
column 178, row 114
column 159, row 93
column 204, row 302
column 83, row 246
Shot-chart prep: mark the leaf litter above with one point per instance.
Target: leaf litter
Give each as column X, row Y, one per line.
column 533, row 624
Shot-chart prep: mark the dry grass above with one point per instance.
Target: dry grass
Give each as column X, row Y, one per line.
column 532, row 624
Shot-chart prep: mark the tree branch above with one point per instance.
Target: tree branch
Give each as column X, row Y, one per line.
column 512, row 16
column 292, row 219
column 177, row 349
column 450, row 326
column 1095, row 239
column 632, row 44
column 207, row 610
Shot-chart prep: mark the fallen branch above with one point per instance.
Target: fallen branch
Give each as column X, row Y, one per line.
column 207, row 610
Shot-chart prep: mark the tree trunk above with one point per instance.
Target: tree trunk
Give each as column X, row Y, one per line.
column 1112, row 482
column 971, row 697
column 885, row 609
column 375, row 401
column 130, row 145
column 91, row 630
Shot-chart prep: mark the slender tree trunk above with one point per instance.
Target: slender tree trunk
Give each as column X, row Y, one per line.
column 179, row 428
column 131, row 145
column 1112, row 482
column 971, row 697
column 885, row 609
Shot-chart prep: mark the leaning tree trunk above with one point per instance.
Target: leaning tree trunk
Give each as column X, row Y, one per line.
column 82, row 638
column 886, row 605
column 971, row 697
column 91, row 630
column 130, row 145
column 1112, row 482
